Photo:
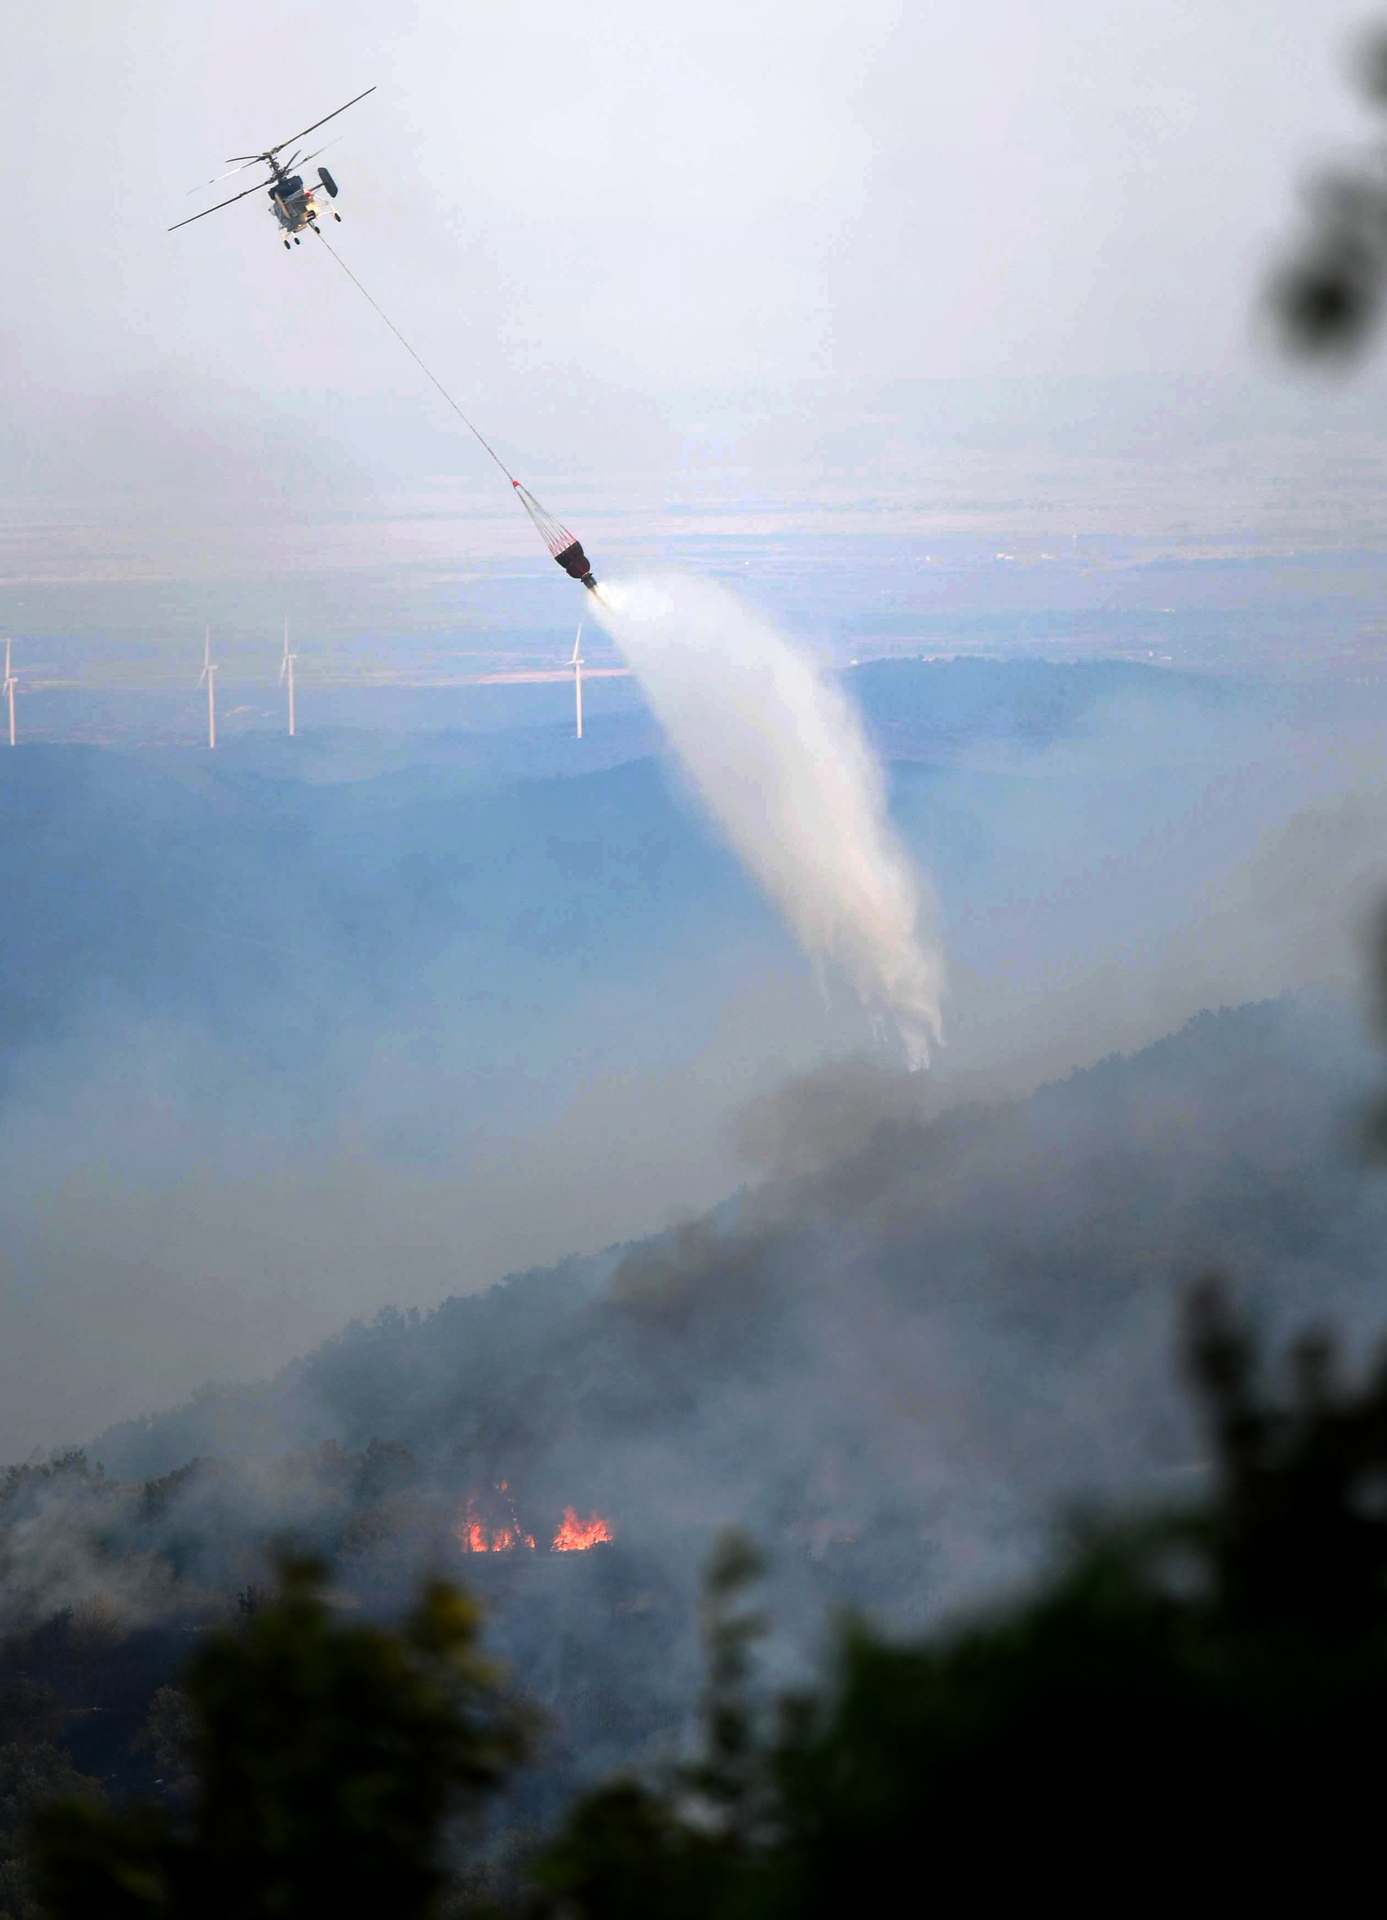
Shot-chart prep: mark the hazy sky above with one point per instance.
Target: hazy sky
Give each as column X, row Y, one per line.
column 654, row 196
column 635, row 205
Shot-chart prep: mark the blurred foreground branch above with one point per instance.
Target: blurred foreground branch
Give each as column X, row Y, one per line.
column 1328, row 300
column 1193, row 1699
column 327, row 1758
column 1191, row 1708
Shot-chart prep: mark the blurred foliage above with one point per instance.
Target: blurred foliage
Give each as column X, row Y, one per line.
column 1328, row 299
column 327, row 1757
column 1189, row 1706
column 1192, row 1705
column 33, row 1774
column 632, row 1850
column 167, row 1737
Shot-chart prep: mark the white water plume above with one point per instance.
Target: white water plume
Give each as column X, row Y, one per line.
column 779, row 756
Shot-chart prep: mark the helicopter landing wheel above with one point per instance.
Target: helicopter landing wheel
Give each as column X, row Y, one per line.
column 296, row 240
column 286, row 246
column 338, row 218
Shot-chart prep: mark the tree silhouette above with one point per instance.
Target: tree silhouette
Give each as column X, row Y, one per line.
column 327, row 1756
column 1191, row 1708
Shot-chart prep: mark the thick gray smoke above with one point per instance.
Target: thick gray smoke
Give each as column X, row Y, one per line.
column 781, row 761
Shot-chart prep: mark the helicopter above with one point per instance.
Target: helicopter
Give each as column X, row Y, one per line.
column 293, row 204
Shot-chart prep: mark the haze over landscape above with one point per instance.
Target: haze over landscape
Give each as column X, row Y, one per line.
column 435, row 1132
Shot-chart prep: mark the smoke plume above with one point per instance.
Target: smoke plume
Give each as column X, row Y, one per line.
column 782, row 763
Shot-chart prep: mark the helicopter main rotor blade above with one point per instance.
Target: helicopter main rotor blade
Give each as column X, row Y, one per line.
column 317, row 150
column 217, row 179
column 319, row 123
column 257, row 188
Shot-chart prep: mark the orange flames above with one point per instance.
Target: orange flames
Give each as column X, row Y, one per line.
column 477, row 1534
column 576, row 1536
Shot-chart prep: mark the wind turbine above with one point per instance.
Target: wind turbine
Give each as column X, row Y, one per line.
column 209, row 674
column 286, row 672
column 10, row 684
column 577, row 665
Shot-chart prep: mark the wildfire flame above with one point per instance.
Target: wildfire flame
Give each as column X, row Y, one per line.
column 576, row 1536
column 475, row 1536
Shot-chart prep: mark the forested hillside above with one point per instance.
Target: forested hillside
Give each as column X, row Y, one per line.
column 888, row 1362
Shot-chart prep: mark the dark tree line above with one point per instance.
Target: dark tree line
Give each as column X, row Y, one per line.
column 1190, row 1706
column 323, row 1760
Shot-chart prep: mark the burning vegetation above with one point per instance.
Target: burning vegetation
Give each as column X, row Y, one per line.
column 576, row 1536
column 478, row 1532
column 477, row 1536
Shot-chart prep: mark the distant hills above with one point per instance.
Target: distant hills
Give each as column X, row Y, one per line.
column 298, row 1028
column 952, row 1316
column 889, row 1362
column 268, row 888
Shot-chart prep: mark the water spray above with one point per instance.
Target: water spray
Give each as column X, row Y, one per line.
column 779, row 756
column 781, row 761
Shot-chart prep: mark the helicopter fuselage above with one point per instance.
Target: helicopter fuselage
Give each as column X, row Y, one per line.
column 292, row 204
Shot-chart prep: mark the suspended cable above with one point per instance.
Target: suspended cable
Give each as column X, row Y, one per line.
column 428, row 374
column 563, row 545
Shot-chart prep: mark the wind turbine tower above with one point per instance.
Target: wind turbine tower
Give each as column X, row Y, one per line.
column 577, row 664
column 209, row 674
column 286, row 673
column 9, row 690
